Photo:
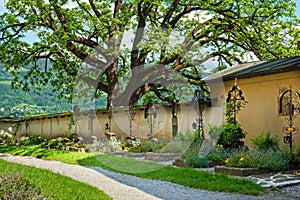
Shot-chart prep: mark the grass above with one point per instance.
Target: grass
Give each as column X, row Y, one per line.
column 54, row 186
column 184, row 176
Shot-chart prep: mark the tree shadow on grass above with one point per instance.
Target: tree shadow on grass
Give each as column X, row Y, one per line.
column 120, row 164
column 35, row 151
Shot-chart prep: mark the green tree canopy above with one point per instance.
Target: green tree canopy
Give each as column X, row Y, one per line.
column 87, row 41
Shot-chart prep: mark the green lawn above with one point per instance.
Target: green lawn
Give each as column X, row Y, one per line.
column 184, row 176
column 54, row 186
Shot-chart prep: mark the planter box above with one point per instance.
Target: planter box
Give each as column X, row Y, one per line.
column 212, row 163
column 236, row 171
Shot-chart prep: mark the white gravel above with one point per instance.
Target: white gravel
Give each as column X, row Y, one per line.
column 171, row 191
column 126, row 187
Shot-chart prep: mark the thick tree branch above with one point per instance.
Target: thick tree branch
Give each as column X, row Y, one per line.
column 61, row 16
column 186, row 10
column 169, row 14
column 139, row 92
column 94, row 8
column 142, row 15
column 96, row 83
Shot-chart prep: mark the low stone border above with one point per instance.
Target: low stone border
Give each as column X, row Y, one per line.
column 156, row 157
column 235, row 171
column 161, row 157
column 75, row 149
column 212, row 163
column 129, row 154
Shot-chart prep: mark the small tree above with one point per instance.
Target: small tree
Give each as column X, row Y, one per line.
column 232, row 132
column 231, row 136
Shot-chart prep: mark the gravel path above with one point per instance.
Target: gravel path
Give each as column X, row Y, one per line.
column 121, row 186
column 171, row 191
column 111, row 187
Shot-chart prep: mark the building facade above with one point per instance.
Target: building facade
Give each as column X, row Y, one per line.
column 265, row 86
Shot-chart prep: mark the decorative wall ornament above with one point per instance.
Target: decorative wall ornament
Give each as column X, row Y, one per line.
column 287, row 96
column 131, row 115
column 202, row 101
column 234, row 97
column 150, row 115
column 76, row 111
column 289, row 105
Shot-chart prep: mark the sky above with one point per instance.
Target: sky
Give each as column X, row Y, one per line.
column 298, row 8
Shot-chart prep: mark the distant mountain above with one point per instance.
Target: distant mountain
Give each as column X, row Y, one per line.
column 18, row 103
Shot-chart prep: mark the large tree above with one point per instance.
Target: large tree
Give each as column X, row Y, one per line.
column 169, row 39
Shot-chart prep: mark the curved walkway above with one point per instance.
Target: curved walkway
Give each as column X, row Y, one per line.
column 115, row 189
column 121, row 186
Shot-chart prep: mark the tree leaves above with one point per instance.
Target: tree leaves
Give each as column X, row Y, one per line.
column 177, row 35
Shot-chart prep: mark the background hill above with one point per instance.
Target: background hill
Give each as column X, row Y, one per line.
column 18, row 103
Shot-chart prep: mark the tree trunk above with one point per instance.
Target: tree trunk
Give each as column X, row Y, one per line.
column 112, row 83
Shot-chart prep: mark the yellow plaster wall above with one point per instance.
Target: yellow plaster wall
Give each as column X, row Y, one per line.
column 56, row 125
column 48, row 127
column 261, row 112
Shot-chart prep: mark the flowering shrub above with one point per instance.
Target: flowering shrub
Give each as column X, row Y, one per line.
column 228, row 161
column 241, row 161
column 79, row 145
column 265, row 141
column 16, row 187
column 270, row 160
column 59, row 142
column 113, row 145
column 72, row 137
column 145, row 146
column 36, row 139
column 218, row 154
column 193, row 160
